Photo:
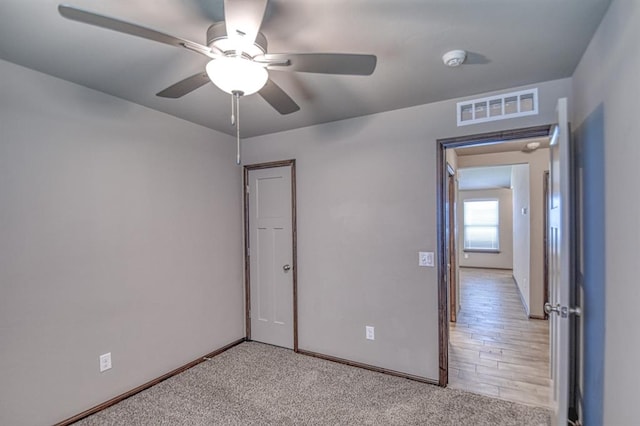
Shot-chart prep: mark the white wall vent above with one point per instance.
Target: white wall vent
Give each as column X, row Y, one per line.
column 500, row 107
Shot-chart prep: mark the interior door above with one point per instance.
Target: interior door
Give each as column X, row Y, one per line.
column 271, row 260
column 559, row 263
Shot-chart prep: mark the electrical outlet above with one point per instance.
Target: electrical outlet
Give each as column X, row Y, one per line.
column 370, row 332
column 425, row 258
column 105, row 362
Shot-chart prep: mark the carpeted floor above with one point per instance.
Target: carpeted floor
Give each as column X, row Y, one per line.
column 257, row 384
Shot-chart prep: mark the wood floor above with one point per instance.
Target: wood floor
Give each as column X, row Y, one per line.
column 494, row 348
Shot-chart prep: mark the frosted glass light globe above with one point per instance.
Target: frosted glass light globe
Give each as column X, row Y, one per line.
column 234, row 74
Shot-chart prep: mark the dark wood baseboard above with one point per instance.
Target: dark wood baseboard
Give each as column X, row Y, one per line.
column 368, row 367
column 147, row 385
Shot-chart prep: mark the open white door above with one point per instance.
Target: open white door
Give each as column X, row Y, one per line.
column 559, row 263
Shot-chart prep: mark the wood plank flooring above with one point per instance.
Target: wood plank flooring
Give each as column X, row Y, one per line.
column 494, row 348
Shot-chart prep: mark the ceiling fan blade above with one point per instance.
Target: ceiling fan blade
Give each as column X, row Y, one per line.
column 278, row 99
column 185, row 86
column 324, row 63
column 243, row 19
column 114, row 24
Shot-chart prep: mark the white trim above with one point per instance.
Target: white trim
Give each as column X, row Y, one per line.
column 474, row 106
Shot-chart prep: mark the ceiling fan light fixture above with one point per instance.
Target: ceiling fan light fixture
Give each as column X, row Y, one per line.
column 235, row 74
column 454, row 58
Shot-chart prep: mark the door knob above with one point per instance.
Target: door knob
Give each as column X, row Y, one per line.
column 548, row 308
column 286, row 268
column 563, row 311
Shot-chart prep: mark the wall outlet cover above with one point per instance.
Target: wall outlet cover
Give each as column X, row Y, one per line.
column 105, row 362
column 370, row 332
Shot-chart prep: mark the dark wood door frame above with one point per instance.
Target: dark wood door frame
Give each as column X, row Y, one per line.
column 441, row 194
column 452, row 247
column 545, row 238
column 294, row 243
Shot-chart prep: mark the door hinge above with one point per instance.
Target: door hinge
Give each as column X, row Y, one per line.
column 247, row 189
column 249, row 313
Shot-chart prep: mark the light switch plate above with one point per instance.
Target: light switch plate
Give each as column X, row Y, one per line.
column 425, row 258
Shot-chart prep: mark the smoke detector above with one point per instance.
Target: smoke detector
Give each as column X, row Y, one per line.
column 454, row 58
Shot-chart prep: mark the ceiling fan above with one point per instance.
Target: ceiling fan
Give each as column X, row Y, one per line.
column 237, row 50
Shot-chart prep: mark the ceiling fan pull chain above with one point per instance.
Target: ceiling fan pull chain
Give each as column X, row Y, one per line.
column 233, row 111
column 237, row 96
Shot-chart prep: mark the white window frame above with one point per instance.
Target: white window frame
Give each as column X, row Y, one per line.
column 466, row 248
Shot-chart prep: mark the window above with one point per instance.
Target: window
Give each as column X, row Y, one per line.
column 481, row 225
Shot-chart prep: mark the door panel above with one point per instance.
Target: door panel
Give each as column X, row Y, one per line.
column 262, row 274
column 589, row 154
column 271, row 256
column 559, row 263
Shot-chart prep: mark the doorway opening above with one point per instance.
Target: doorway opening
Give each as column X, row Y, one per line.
column 491, row 334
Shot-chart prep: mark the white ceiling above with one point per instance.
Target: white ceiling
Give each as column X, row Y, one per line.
column 511, row 43
column 492, row 177
column 484, row 178
column 505, row 146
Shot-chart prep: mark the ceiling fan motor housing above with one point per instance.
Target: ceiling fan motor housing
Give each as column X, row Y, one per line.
column 238, row 61
column 217, row 39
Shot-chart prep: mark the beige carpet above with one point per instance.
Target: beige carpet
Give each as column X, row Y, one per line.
column 257, row 384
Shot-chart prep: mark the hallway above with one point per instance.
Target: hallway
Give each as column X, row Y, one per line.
column 494, row 348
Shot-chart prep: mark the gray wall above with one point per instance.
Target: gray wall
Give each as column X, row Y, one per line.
column 538, row 162
column 120, row 231
column 366, row 206
column 606, row 90
column 452, row 159
column 502, row 260
column 522, row 231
